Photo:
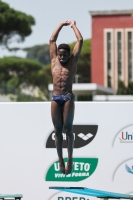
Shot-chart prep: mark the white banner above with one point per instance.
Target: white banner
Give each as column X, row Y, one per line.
column 102, row 158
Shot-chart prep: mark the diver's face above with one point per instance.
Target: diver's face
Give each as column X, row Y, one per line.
column 63, row 55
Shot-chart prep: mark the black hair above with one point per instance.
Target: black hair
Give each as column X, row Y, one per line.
column 64, row 46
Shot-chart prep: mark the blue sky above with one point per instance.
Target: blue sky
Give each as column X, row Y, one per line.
column 49, row 13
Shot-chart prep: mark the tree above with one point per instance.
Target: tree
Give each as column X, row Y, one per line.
column 84, row 61
column 19, row 73
column 13, row 24
column 123, row 90
column 130, row 88
column 39, row 53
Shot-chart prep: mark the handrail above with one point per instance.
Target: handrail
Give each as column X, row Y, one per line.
column 93, row 192
column 11, row 196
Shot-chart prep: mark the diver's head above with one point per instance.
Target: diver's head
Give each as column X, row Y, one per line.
column 63, row 53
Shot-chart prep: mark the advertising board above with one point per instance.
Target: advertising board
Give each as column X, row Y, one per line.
column 102, row 155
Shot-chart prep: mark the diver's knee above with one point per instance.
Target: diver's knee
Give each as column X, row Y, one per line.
column 58, row 131
column 68, row 130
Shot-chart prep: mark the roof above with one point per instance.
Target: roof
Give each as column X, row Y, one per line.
column 113, row 98
column 111, row 12
column 87, row 88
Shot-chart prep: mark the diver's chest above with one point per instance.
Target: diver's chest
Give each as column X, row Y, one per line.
column 62, row 68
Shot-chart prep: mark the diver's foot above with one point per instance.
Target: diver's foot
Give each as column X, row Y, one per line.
column 68, row 168
column 62, row 166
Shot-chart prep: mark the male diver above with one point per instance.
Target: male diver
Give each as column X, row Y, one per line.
column 64, row 67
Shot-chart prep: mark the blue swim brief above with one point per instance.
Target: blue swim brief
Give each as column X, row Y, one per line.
column 61, row 99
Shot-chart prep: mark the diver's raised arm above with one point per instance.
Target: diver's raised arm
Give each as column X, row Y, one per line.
column 53, row 38
column 78, row 45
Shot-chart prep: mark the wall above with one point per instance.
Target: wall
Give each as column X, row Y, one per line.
column 102, row 154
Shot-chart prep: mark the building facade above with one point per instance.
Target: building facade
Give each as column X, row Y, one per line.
column 112, row 47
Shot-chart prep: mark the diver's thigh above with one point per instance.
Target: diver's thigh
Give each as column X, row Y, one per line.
column 56, row 113
column 68, row 112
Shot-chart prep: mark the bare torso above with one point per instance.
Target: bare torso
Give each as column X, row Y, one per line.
column 63, row 75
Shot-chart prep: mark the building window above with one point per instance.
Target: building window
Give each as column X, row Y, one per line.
column 130, row 57
column 119, row 54
column 109, row 81
column 109, row 59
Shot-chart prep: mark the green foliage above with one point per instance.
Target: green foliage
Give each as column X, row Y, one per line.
column 84, row 61
column 130, row 88
column 39, row 53
column 13, row 23
column 85, row 98
column 86, row 48
column 43, row 78
column 123, row 90
column 17, row 71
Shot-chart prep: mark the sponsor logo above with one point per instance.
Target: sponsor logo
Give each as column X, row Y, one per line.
column 83, row 135
column 129, row 169
column 124, row 173
column 69, row 196
column 126, row 137
column 82, row 168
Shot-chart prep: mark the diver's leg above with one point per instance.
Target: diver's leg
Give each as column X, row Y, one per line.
column 68, row 115
column 57, row 118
